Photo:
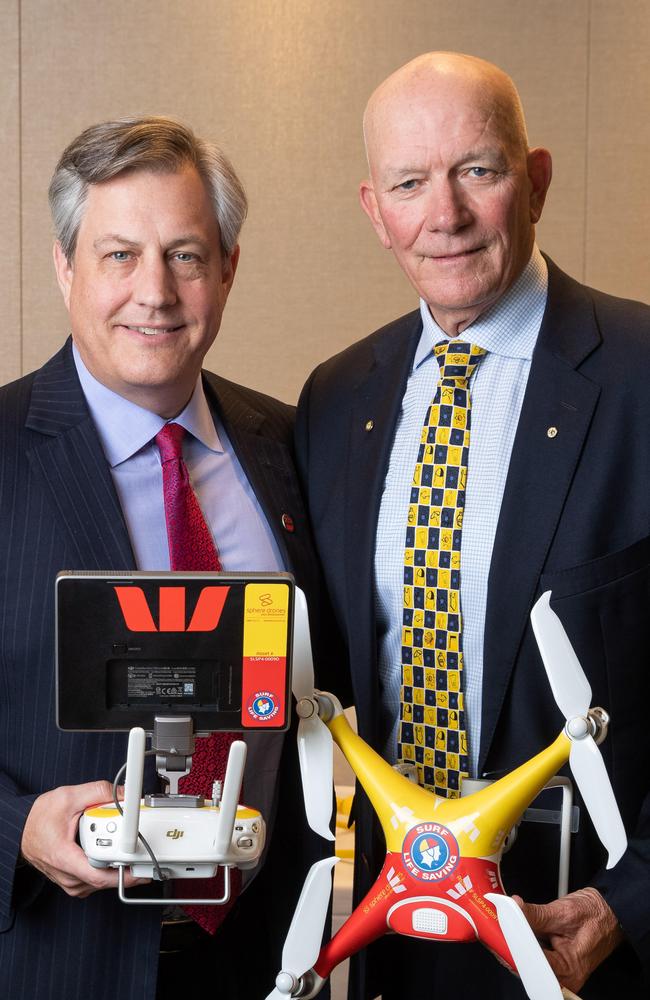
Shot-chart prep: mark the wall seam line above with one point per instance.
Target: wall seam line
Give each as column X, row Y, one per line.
column 21, row 271
column 585, row 205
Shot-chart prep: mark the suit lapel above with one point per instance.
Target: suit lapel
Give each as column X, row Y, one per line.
column 378, row 399
column 557, row 410
column 266, row 461
column 67, row 461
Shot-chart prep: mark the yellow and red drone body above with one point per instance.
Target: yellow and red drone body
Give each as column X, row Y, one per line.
column 442, row 855
column 440, row 879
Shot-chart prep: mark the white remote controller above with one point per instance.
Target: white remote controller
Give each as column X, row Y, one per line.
column 187, row 840
column 183, row 840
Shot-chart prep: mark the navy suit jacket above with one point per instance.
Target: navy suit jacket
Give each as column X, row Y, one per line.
column 575, row 518
column 59, row 510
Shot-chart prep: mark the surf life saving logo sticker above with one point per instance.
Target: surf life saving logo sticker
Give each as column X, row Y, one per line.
column 430, row 852
column 263, row 706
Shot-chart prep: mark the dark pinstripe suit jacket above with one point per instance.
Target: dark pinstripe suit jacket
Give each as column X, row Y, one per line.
column 59, row 510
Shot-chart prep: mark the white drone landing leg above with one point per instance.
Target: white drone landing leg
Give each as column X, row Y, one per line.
column 225, row 821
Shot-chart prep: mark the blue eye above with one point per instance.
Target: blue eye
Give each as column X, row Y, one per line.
column 480, row 171
column 184, row 256
column 407, row 185
column 120, row 255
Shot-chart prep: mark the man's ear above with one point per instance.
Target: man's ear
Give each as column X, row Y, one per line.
column 369, row 204
column 64, row 272
column 228, row 269
column 540, row 171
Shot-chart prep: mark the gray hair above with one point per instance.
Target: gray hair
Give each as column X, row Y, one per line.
column 159, row 144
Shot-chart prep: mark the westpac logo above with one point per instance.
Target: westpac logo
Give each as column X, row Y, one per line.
column 172, row 613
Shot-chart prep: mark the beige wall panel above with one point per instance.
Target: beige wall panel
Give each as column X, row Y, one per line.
column 10, row 333
column 618, row 206
column 283, row 86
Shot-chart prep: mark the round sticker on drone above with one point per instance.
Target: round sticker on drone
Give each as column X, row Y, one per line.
column 263, row 706
column 430, row 852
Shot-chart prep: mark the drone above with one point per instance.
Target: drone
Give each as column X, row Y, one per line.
column 441, row 876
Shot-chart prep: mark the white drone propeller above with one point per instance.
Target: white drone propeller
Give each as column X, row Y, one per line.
column 314, row 738
column 537, row 977
column 572, row 694
column 303, row 942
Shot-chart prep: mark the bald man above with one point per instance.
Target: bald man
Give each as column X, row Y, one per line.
column 442, row 509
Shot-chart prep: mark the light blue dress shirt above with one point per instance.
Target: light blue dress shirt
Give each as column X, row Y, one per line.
column 239, row 528
column 508, row 332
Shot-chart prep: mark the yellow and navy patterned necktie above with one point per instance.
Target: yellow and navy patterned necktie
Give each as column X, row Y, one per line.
column 432, row 731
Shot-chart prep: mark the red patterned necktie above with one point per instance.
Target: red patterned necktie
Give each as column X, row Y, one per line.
column 190, row 543
column 191, row 547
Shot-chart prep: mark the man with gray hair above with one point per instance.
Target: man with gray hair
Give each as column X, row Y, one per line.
column 147, row 220
column 488, row 447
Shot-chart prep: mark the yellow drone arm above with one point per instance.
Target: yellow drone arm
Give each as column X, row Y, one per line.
column 396, row 800
column 495, row 809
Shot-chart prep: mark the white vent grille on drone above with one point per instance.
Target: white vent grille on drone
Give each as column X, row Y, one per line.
column 428, row 921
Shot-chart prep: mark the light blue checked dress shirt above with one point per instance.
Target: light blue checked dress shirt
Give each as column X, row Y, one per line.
column 508, row 332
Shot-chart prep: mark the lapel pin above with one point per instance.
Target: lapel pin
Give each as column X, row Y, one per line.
column 551, row 432
column 287, row 523
column 370, row 424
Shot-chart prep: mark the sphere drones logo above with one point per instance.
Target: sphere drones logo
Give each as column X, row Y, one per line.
column 430, row 852
column 263, row 706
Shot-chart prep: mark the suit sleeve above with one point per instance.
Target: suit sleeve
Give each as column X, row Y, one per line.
column 19, row 882
column 604, row 605
column 626, row 889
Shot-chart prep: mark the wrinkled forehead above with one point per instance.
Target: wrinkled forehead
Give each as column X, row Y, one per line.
column 444, row 114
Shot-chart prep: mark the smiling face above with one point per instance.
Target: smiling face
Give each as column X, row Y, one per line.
column 147, row 285
column 453, row 191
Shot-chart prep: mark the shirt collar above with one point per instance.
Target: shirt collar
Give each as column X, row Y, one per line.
column 509, row 328
column 124, row 427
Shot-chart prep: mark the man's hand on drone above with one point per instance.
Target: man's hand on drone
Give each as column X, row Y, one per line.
column 577, row 933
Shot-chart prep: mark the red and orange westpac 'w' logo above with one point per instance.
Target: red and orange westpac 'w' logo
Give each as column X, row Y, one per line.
column 172, row 613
